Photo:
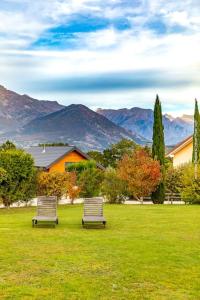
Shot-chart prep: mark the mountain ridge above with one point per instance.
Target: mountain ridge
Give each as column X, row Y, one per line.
column 139, row 120
column 17, row 110
column 19, row 114
column 77, row 124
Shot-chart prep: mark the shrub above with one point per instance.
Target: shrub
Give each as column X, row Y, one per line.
column 190, row 191
column 81, row 166
column 57, row 184
column 173, row 180
column 89, row 181
column 17, row 176
column 113, row 188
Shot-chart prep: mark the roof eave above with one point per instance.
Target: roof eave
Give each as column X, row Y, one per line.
column 180, row 146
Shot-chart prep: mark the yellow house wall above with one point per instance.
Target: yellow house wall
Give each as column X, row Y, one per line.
column 183, row 156
column 71, row 157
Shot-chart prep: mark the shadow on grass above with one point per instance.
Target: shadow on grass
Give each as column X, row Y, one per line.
column 93, row 226
column 44, row 225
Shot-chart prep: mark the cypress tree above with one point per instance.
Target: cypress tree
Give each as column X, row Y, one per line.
column 196, row 135
column 158, row 150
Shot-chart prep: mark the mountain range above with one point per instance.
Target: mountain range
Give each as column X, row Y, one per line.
column 17, row 110
column 140, row 121
column 76, row 124
column 28, row 121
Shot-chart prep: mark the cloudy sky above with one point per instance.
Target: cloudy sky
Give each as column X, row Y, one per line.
column 103, row 53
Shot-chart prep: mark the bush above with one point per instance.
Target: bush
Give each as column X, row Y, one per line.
column 173, row 180
column 57, row 184
column 17, row 176
column 89, row 181
column 81, row 166
column 190, row 191
column 113, row 188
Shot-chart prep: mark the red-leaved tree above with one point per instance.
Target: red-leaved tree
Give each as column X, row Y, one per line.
column 141, row 173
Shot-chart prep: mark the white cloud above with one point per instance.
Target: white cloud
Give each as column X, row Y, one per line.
column 174, row 55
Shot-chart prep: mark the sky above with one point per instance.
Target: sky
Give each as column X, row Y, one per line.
column 103, row 53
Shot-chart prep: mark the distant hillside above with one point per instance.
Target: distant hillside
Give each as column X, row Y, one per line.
column 140, row 121
column 17, row 110
column 29, row 121
column 75, row 124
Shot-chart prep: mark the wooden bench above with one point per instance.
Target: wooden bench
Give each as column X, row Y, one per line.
column 46, row 210
column 93, row 211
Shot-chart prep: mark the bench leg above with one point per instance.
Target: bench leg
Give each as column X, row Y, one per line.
column 33, row 223
column 104, row 223
column 82, row 223
column 57, row 221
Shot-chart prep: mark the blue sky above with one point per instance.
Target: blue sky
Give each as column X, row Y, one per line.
column 103, row 53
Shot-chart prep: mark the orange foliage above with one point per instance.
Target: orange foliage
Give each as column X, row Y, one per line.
column 57, row 184
column 141, row 173
column 72, row 189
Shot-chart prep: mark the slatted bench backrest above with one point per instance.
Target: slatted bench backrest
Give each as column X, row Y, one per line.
column 93, row 207
column 47, row 206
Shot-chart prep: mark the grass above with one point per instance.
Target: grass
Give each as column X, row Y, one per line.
column 146, row 252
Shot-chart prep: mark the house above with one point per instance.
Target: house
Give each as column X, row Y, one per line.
column 182, row 153
column 57, row 158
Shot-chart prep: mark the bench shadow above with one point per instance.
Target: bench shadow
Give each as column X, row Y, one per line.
column 93, row 226
column 45, row 225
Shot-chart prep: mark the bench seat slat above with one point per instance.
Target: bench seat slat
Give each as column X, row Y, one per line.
column 93, row 211
column 46, row 210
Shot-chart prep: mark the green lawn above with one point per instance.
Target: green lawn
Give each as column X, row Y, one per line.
column 146, row 252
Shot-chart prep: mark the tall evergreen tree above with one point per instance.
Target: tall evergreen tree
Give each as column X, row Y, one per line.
column 196, row 139
column 196, row 135
column 158, row 150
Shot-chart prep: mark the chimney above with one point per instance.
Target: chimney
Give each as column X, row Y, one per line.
column 44, row 149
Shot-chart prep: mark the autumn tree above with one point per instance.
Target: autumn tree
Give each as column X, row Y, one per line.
column 141, row 173
column 52, row 184
column 57, row 184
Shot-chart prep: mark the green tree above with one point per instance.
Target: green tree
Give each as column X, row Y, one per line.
column 97, row 156
column 59, row 144
column 190, row 190
column 18, row 183
column 113, row 188
column 173, row 180
column 89, row 182
column 113, row 154
column 7, row 146
column 79, row 167
column 158, row 150
column 196, row 139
